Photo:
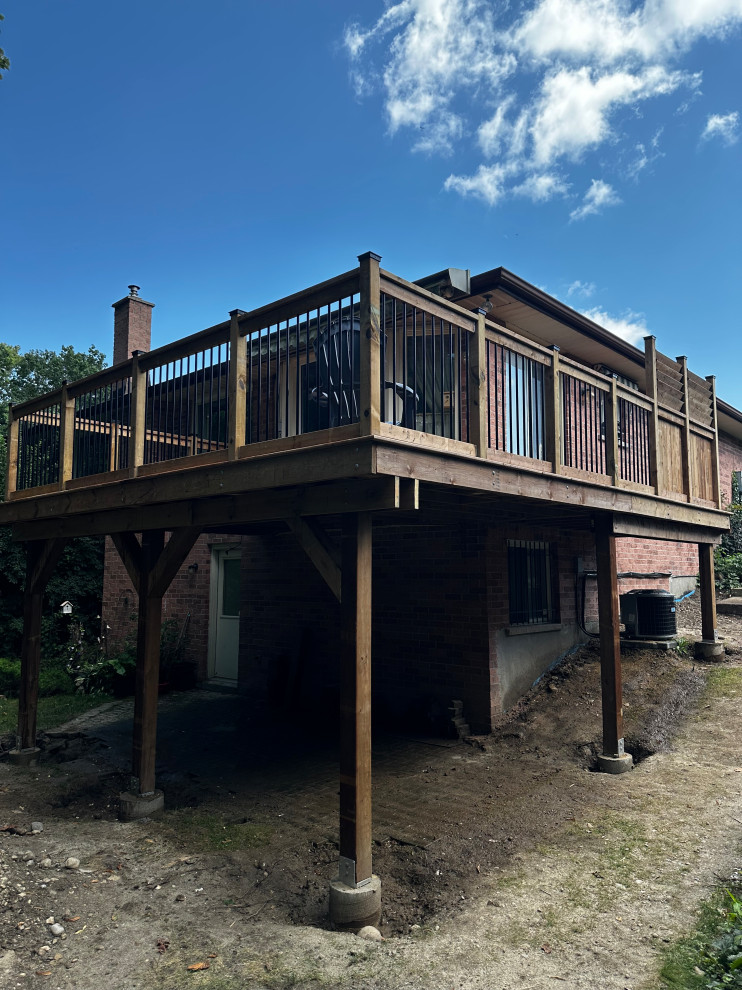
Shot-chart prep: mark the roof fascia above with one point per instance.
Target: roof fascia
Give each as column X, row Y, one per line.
column 501, row 278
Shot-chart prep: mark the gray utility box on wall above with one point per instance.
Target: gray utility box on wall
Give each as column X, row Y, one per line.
column 649, row 614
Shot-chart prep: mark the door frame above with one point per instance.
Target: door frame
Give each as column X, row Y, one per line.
column 218, row 550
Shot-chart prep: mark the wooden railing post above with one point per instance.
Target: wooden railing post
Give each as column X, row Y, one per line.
column 11, row 480
column 650, row 387
column 715, row 473
column 687, row 480
column 370, row 386
column 478, row 389
column 612, row 461
column 137, row 415
column 66, row 436
column 237, row 384
column 553, row 414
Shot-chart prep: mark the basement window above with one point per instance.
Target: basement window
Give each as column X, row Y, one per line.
column 532, row 583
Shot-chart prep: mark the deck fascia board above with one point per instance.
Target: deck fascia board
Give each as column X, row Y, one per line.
column 294, row 474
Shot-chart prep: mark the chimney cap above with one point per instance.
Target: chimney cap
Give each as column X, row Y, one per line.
column 133, row 290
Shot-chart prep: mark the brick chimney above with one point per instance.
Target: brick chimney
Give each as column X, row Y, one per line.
column 132, row 325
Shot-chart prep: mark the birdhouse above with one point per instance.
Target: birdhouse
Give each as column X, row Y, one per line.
column 66, row 608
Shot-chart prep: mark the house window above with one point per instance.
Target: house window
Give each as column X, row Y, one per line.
column 532, row 583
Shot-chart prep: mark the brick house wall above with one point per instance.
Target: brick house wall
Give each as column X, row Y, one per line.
column 730, row 459
column 185, row 607
column 441, row 612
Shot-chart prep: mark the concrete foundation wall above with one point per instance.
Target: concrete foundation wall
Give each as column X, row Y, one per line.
column 521, row 660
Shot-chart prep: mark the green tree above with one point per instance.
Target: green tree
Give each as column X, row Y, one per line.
column 4, row 60
column 79, row 574
column 24, row 376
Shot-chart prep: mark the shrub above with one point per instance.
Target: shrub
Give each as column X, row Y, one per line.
column 93, row 671
column 51, row 680
column 728, row 569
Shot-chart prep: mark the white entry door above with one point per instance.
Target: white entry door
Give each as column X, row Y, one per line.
column 224, row 631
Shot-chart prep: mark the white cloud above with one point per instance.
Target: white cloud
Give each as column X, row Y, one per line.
column 631, row 327
column 610, row 30
column 578, row 288
column 537, row 86
column 598, row 196
column 488, row 183
column 722, row 126
column 540, row 188
column 573, row 112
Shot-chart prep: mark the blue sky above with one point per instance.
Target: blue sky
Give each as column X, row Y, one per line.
column 224, row 155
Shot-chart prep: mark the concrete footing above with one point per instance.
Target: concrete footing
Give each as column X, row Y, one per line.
column 709, row 649
column 135, row 806
column 615, row 764
column 24, row 757
column 352, row 908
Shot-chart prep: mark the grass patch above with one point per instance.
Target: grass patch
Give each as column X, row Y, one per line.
column 205, row 831
column 724, row 681
column 248, row 969
column 53, row 711
column 710, row 957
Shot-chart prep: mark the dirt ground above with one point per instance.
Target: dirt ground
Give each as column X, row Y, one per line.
column 506, row 863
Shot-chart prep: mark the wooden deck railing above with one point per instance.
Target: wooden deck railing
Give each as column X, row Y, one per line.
column 367, row 353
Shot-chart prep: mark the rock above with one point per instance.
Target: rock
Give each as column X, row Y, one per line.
column 37, row 827
column 46, row 863
column 44, row 950
column 371, row 934
column 29, row 862
column 72, row 863
column 27, row 855
column 180, row 897
column 7, row 961
column 50, row 920
column 56, row 929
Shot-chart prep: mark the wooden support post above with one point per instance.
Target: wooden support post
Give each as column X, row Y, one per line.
column 137, row 415
column 30, row 668
column 151, row 565
column 66, row 437
column 708, row 591
column 687, row 479
column 355, row 704
column 650, row 387
column 41, row 558
column 613, row 759
column 553, row 414
column 237, row 384
column 370, row 367
column 11, row 480
column 478, row 386
column 612, row 461
column 715, row 474
column 148, row 667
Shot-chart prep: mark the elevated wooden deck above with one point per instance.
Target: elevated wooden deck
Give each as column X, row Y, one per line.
column 363, row 394
column 363, row 388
